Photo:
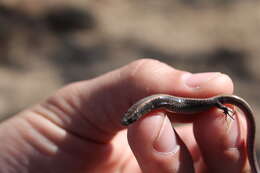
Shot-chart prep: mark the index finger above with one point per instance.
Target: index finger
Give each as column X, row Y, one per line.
column 102, row 101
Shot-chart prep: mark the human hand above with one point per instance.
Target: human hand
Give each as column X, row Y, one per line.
column 78, row 128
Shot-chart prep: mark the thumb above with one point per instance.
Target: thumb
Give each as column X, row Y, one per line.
column 157, row 147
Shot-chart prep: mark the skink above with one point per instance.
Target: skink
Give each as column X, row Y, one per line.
column 188, row 106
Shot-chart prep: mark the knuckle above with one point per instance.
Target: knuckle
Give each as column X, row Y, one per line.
column 141, row 69
column 144, row 74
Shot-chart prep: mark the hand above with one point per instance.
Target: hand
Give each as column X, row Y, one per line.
column 78, row 128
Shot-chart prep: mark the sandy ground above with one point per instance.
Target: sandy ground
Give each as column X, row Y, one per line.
column 40, row 51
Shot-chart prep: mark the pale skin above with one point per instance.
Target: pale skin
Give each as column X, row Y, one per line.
column 78, row 128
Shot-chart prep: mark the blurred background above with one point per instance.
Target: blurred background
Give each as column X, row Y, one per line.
column 47, row 44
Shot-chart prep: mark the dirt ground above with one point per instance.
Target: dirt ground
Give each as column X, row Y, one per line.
column 47, row 44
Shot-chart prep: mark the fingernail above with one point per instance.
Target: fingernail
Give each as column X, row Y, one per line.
column 166, row 140
column 198, row 79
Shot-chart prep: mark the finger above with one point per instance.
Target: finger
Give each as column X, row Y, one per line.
column 93, row 109
column 187, row 136
column 157, row 147
column 221, row 141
